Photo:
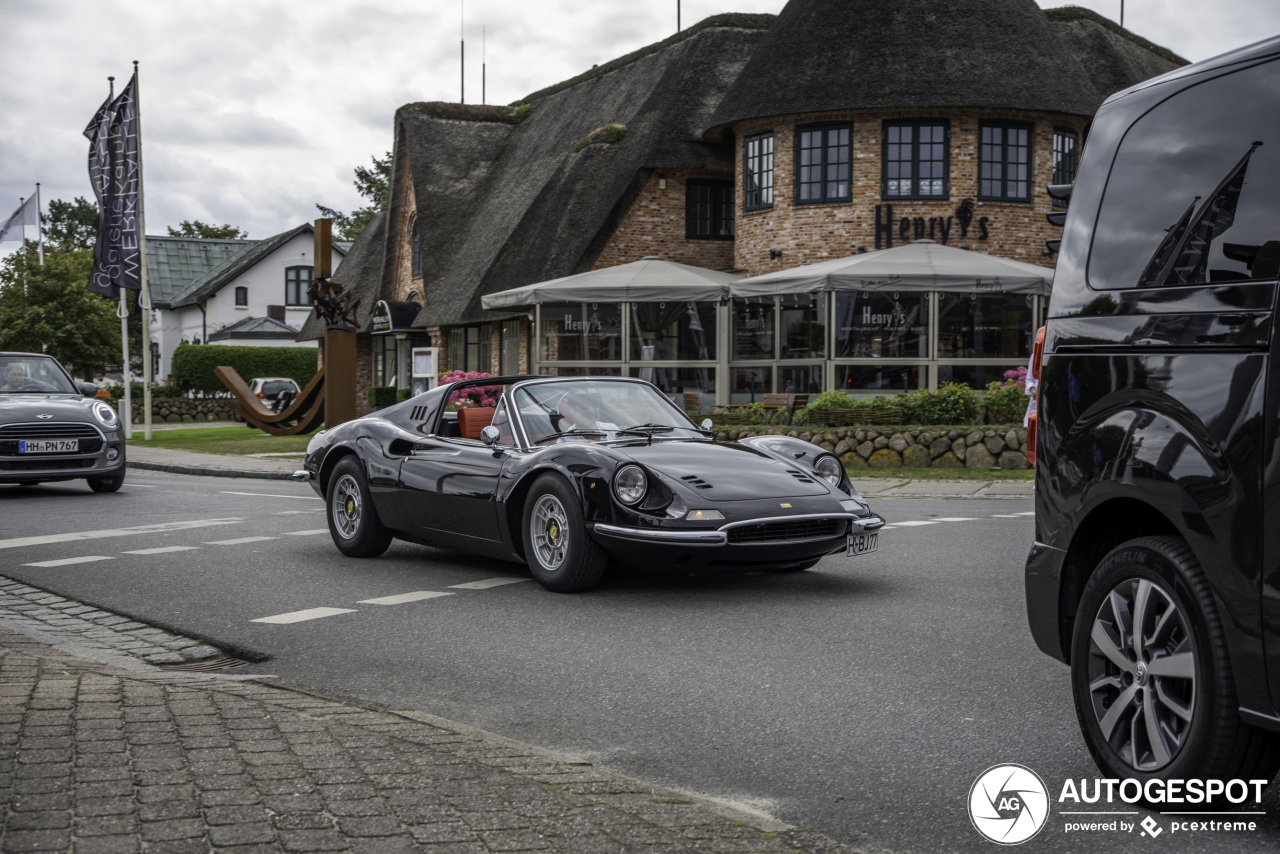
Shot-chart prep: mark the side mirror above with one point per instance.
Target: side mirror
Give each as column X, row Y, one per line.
column 88, row 389
column 490, row 435
column 706, row 424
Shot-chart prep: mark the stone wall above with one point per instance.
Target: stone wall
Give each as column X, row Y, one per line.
column 182, row 409
column 910, row 447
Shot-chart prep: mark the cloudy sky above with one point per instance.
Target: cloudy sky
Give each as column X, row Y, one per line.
column 253, row 111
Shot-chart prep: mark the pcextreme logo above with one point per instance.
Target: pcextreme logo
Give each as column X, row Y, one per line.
column 1008, row 804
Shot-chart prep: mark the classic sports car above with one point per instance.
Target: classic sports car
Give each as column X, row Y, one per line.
column 565, row 474
column 53, row 429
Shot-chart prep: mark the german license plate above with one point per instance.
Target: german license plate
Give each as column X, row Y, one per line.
column 48, row 446
column 862, row 543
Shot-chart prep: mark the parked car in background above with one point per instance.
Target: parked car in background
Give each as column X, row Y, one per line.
column 52, row 429
column 1156, row 568
column 277, row 392
column 566, row 474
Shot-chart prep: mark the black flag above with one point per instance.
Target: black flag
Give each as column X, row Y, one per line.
column 113, row 170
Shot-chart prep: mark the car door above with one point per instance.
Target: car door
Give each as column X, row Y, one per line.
column 448, row 486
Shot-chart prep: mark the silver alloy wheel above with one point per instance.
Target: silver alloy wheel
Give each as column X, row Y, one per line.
column 550, row 532
column 1142, row 674
column 345, row 506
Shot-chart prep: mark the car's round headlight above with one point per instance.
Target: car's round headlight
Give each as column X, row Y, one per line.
column 830, row 470
column 630, row 484
column 105, row 414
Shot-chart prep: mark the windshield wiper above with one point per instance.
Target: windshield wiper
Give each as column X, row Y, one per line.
column 654, row 427
column 539, row 441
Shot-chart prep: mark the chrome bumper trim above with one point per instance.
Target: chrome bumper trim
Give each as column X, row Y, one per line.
column 650, row 535
column 301, row 474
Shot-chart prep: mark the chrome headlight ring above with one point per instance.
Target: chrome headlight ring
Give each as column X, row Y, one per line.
column 105, row 414
column 829, row 469
column 630, row 484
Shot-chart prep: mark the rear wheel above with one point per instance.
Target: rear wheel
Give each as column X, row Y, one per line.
column 561, row 555
column 353, row 522
column 1154, row 691
column 106, row 484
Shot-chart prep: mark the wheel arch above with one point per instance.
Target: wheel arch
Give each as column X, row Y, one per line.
column 331, row 460
column 515, row 498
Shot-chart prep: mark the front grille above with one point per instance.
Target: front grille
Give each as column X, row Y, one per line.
column 781, row 532
column 46, row 464
column 11, row 434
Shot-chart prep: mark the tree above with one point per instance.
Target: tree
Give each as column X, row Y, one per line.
column 373, row 184
column 70, row 225
column 49, row 309
column 196, row 228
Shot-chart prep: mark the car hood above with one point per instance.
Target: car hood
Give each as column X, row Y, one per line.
column 63, row 407
column 725, row 472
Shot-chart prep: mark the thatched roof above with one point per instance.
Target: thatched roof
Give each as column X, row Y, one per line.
column 1111, row 56
column 502, row 205
column 360, row 271
column 870, row 54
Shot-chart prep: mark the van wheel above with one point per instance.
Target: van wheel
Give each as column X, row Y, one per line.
column 562, row 557
column 1154, row 693
column 353, row 522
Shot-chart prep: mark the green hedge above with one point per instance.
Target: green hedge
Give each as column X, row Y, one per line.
column 382, row 395
column 193, row 365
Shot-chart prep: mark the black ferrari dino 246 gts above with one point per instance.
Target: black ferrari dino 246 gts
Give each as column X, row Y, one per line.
column 566, row 474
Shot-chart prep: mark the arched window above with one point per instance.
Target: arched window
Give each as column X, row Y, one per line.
column 242, row 296
column 417, row 249
column 296, row 282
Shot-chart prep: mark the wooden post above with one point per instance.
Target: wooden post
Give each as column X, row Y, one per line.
column 339, row 342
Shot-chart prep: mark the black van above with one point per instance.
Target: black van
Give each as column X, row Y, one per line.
column 1156, row 568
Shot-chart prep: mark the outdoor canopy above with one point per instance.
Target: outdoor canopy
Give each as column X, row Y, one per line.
column 647, row 280
column 922, row 265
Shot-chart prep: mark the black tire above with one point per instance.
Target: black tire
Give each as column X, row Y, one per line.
column 561, row 555
column 353, row 522
column 107, row 484
column 1119, row 684
column 798, row 567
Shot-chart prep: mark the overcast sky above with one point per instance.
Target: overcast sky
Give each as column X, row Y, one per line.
column 253, row 111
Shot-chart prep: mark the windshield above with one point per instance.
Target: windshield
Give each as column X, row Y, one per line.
column 21, row 374
column 599, row 410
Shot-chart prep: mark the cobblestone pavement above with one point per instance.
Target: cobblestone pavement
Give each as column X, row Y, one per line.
column 101, row 752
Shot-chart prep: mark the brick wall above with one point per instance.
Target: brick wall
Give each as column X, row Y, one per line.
column 655, row 225
column 809, row 233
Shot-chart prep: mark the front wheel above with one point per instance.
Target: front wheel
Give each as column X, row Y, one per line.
column 353, row 523
column 1151, row 675
column 106, row 484
column 562, row 557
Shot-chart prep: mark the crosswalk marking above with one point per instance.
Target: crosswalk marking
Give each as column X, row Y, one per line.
column 1026, row 513
column 302, row 616
column 309, row 533
column 955, row 519
column 268, row 495
column 1005, row 516
column 67, row 561
column 22, row 542
column 416, row 596
column 238, row 541
column 298, row 512
column 914, row 524
column 162, row 550
column 486, row 583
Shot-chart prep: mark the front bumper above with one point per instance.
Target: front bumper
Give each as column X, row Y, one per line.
column 51, row 467
column 686, row 549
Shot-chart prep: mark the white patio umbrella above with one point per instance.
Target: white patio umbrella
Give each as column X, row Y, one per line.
column 647, row 280
column 919, row 266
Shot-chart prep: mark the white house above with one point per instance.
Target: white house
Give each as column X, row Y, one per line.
column 246, row 292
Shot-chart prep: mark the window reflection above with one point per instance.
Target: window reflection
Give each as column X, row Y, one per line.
column 979, row 326
column 880, row 325
column 879, row 378
column 753, row 323
column 804, row 327
column 585, row 331
column 673, row 331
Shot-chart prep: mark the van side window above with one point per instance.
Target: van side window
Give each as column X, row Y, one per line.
column 1194, row 193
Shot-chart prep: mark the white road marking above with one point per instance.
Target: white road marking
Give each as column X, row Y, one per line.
column 143, row 486
column 310, row 533
column 888, row 528
column 1005, row 516
column 21, row 542
column 162, row 550
column 913, row 524
column 1026, row 513
column 302, row 616
column 405, row 597
column 266, row 495
column 238, row 541
column 486, row 583
column 956, row 519
column 67, row 561
column 297, row 512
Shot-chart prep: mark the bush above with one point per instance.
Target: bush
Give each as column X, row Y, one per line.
column 1007, row 400
column 484, row 395
column 403, row 394
column 952, row 404
column 382, row 395
column 158, row 390
column 193, row 365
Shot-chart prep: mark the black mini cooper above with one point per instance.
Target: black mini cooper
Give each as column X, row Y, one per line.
column 52, row 429
column 1156, row 567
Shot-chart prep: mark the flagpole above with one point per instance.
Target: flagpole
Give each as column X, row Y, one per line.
column 144, row 293
column 39, row 227
column 122, row 312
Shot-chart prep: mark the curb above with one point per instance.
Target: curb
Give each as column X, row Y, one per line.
column 208, row 472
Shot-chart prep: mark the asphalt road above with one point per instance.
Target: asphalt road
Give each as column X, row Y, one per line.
column 860, row 699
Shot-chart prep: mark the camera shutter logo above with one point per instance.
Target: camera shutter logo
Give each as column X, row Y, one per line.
column 1008, row 804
